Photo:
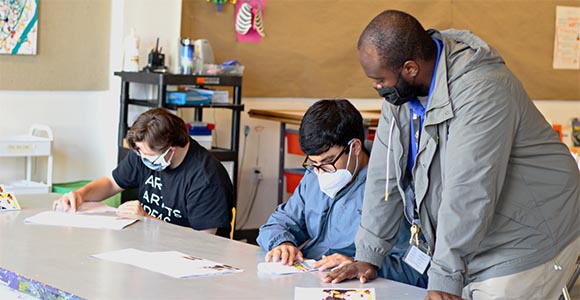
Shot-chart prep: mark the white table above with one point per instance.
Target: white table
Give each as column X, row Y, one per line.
column 59, row 257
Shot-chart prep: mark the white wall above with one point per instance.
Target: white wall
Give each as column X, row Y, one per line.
column 85, row 123
column 154, row 19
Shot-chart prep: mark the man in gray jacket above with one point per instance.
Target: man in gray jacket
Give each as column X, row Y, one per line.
column 463, row 153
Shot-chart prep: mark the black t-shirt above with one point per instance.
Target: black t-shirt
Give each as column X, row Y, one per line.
column 198, row 193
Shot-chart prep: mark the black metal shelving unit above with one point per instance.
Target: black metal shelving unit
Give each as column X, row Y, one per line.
column 162, row 80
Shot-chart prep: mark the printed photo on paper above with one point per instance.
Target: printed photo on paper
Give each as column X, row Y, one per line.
column 334, row 294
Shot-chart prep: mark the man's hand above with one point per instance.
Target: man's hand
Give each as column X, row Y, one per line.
column 130, row 209
column 286, row 253
column 334, row 260
column 68, row 202
column 438, row 295
column 361, row 270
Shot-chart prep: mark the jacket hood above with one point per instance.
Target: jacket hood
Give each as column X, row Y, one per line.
column 466, row 50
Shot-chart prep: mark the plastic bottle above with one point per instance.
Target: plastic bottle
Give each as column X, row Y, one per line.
column 187, row 56
column 131, row 57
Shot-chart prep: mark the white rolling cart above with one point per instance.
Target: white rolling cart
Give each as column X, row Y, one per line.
column 37, row 143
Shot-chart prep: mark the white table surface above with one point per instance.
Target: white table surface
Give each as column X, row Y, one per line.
column 59, row 257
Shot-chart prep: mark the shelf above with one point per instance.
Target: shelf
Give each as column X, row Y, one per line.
column 29, row 146
column 223, row 154
column 25, row 145
column 149, row 103
column 27, row 187
column 178, row 79
column 155, row 103
column 237, row 107
column 161, row 81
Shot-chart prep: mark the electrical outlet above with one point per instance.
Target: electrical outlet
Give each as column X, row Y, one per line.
column 256, row 174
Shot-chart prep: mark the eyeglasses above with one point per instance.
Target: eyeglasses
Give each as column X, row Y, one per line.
column 326, row 167
column 153, row 159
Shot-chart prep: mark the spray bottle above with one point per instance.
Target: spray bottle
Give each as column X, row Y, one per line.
column 131, row 55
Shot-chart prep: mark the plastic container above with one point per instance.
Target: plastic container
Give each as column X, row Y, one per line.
column 237, row 70
column 204, row 140
column 213, row 69
column 293, row 142
column 216, row 96
column 191, row 97
column 199, row 128
column 293, row 177
column 63, row 188
column 201, row 133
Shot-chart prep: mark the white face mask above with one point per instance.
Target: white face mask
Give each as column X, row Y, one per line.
column 332, row 183
column 157, row 163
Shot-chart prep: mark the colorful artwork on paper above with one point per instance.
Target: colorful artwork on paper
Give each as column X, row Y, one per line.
column 8, row 202
column 16, row 286
column 18, row 26
column 334, row 294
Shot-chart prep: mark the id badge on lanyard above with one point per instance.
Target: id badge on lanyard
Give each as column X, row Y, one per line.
column 417, row 256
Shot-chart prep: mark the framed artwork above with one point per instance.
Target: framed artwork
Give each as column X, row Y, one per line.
column 18, row 26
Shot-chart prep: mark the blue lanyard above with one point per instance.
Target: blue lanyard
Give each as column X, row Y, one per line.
column 418, row 113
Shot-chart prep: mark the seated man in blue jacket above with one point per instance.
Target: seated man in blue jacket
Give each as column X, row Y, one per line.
column 321, row 218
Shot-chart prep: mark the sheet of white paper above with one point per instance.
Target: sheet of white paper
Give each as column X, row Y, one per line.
column 170, row 263
column 279, row 269
column 334, row 293
column 94, row 208
column 79, row 220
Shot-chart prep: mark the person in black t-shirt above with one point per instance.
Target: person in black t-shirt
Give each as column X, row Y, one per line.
column 179, row 181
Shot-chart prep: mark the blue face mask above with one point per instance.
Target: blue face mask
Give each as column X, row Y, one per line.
column 157, row 163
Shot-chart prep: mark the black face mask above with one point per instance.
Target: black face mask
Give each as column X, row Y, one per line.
column 398, row 95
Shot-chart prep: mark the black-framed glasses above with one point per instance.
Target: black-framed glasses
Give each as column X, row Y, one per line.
column 326, row 167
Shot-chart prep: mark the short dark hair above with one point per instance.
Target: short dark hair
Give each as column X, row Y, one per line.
column 397, row 37
column 328, row 123
column 160, row 129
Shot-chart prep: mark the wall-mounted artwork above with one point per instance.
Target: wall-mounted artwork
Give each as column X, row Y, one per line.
column 18, row 26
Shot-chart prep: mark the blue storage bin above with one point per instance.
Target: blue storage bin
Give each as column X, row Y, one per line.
column 190, row 97
column 199, row 131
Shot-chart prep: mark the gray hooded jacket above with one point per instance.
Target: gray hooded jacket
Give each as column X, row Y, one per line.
column 496, row 191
